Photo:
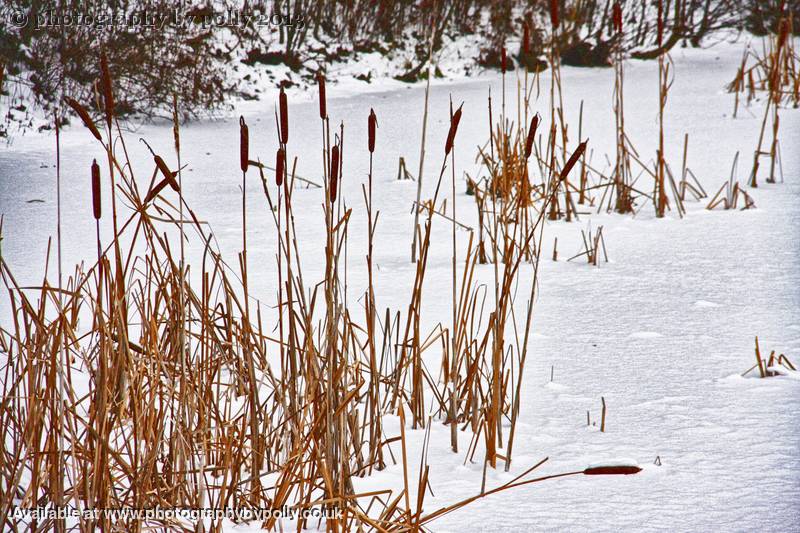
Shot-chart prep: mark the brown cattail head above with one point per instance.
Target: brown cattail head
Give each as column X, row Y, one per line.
column 612, row 470
column 244, row 145
column 108, row 95
column 573, row 159
column 284, row 113
column 176, row 132
column 323, row 104
column 372, row 124
column 280, row 166
column 531, row 135
column 616, row 17
column 451, row 135
column 87, row 120
column 334, row 171
column 660, row 23
column 96, row 189
column 554, row 13
column 2, row 72
column 169, row 176
column 503, row 60
column 783, row 32
column 526, row 39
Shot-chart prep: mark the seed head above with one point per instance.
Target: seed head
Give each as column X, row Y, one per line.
column 451, row 135
column 284, row 112
column 96, row 190
column 244, row 145
column 108, row 95
column 84, row 115
column 617, row 17
column 334, row 172
column 323, row 105
column 280, row 166
column 531, row 135
column 372, row 124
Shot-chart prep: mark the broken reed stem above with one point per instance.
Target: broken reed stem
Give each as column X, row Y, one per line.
column 761, row 368
column 603, row 415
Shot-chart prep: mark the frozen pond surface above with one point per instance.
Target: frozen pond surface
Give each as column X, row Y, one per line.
column 661, row 332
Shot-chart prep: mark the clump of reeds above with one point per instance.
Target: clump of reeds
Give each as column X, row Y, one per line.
column 778, row 70
column 730, row 192
column 592, row 246
column 660, row 192
column 765, row 71
column 771, row 366
column 622, row 177
column 183, row 395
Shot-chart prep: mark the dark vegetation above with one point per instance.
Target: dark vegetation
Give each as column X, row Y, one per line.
column 186, row 52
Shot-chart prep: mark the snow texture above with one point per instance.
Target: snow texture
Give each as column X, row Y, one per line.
column 662, row 332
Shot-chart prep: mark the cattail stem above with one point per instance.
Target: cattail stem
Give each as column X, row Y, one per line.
column 375, row 456
column 422, row 146
column 244, row 161
column 454, row 355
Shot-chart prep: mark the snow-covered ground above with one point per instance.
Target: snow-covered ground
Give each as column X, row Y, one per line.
column 662, row 331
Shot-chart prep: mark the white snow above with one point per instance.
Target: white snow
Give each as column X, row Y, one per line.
column 729, row 446
column 645, row 335
column 705, row 304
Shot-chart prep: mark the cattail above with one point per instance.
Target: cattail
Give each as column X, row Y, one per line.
column 451, row 135
column 531, row 134
column 280, row 166
column 554, row 13
column 96, row 189
column 616, row 16
column 87, row 120
column 334, row 171
column 169, row 176
column 660, row 22
column 244, row 145
column 372, row 124
column 526, row 39
column 503, row 60
column 612, row 470
column 573, row 159
column 783, row 32
column 108, row 95
column 2, row 72
column 284, row 109
column 176, row 135
column 323, row 105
